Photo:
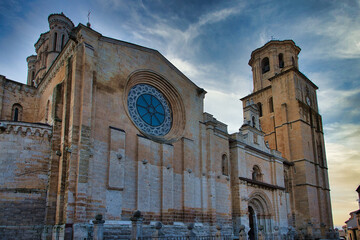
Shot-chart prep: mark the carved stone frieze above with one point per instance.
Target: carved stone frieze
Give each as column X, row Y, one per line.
column 33, row 129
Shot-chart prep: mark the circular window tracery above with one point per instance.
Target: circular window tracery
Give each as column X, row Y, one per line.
column 149, row 110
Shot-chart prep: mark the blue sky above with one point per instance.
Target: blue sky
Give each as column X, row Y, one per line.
column 211, row 43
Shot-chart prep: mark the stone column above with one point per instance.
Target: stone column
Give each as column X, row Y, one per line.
column 136, row 225
column 98, row 227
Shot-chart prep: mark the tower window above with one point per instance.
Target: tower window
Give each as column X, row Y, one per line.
column 293, row 61
column 62, row 41
column 55, row 41
column 260, row 109
column 16, row 113
column 265, row 65
column 224, row 165
column 281, row 60
column 271, row 105
column 253, row 121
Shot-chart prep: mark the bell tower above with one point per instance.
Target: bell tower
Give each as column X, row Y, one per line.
column 48, row 47
column 289, row 116
column 271, row 60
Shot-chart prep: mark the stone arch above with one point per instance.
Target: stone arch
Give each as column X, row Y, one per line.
column 263, row 212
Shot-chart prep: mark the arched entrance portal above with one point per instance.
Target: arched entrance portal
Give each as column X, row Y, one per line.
column 259, row 209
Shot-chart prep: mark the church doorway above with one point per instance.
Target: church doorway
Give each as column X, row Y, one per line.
column 260, row 217
column 252, row 224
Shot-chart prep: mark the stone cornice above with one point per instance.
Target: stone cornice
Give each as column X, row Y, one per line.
column 261, row 184
column 254, row 93
column 294, row 69
column 25, row 129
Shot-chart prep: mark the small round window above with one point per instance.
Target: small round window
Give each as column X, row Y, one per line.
column 149, row 110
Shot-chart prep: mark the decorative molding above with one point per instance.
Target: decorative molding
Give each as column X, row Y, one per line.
column 261, row 184
column 12, row 86
column 25, row 129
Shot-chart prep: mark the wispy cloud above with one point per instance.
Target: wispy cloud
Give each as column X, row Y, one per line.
column 334, row 35
column 343, row 154
column 340, row 104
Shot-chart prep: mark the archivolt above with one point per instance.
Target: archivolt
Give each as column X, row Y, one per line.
column 261, row 204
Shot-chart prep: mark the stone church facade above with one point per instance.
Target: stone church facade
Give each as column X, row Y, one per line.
column 109, row 127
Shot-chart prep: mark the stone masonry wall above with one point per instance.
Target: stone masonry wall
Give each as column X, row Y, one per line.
column 11, row 93
column 24, row 163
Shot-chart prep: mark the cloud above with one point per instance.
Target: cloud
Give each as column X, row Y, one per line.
column 340, row 104
column 343, row 154
column 225, row 107
column 332, row 34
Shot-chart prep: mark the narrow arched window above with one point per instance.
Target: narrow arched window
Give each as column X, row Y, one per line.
column 260, row 109
column 271, row 105
column 253, row 121
column 16, row 113
column 293, row 61
column 62, row 41
column 265, row 65
column 281, row 60
column 256, row 174
column 55, row 41
column 224, row 165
